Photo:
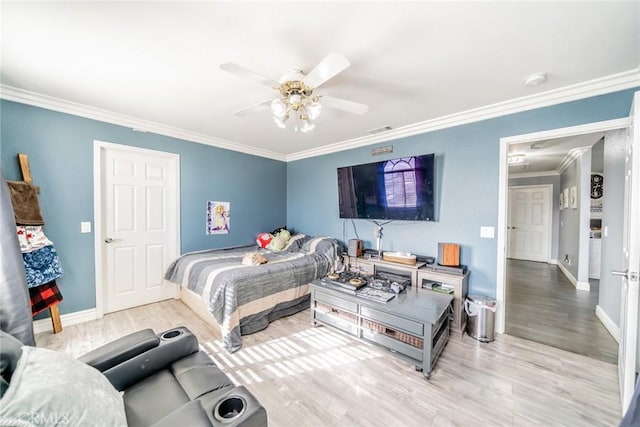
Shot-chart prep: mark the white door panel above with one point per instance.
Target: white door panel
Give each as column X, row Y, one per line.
column 529, row 223
column 139, row 225
column 628, row 351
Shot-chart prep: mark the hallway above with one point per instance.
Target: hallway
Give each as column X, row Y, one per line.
column 543, row 306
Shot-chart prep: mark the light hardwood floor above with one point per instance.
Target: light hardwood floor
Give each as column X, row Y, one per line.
column 308, row 376
column 543, row 306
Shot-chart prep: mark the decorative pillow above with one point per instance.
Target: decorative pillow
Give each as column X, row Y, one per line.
column 295, row 243
column 52, row 388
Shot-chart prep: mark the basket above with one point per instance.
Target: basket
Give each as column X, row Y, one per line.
column 344, row 315
column 392, row 333
column 392, row 257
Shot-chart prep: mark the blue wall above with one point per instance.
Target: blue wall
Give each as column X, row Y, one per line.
column 304, row 192
column 466, row 179
column 60, row 150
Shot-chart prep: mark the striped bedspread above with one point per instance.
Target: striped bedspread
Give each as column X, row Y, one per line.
column 244, row 299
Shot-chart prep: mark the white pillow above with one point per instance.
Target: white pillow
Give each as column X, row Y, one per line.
column 52, row 388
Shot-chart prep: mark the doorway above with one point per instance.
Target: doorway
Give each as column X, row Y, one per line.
column 540, row 286
column 136, row 210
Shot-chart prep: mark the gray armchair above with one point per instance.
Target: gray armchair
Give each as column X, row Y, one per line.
column 164, row 380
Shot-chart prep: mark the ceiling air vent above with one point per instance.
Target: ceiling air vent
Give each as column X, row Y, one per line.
column 379, row 130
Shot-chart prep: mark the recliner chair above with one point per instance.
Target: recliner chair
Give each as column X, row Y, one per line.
column 164, row 379
column 141, row 379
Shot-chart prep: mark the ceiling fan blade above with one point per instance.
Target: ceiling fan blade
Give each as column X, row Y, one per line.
column 344, row 105
column 253, row 108
column 245, row 72
column 333, row 64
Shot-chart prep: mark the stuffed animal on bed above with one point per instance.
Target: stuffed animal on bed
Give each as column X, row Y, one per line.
column 253, row 258
column 264, row 239
column 279, row 241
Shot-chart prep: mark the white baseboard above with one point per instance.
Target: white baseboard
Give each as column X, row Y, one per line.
column 44, row 325
column 553, row 261
column 581, row 286
column 613, row 329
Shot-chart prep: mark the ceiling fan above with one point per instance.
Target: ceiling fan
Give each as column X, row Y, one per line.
column 297, row 99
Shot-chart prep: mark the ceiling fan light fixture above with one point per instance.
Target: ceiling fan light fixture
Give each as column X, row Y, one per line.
column 515, row 159
column 295, row 99
column 306, row 127
column 278, row 108
column 313, row 110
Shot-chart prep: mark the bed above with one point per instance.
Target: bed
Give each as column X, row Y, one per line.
column 242, row 299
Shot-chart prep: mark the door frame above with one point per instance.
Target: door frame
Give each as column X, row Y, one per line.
column 99, row 149
column 549, row 214
column 503, row 188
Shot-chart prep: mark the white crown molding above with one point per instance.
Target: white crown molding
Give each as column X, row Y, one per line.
column 603, row 126
column 572, row 155
column 608, row 84
column 533, row 174
column 11, row 93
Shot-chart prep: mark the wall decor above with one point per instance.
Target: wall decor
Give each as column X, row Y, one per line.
column 597, row 185
column 561, row 201
column 565, row 198
column 218, row 214
column 573, row 197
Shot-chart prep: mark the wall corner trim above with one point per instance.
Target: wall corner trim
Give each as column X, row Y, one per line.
column 44, row 325
column 613, row 329
column 581, row 286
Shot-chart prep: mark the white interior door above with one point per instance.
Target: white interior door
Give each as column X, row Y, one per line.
column 139, row 235
column 529, row 223
column 628, row 351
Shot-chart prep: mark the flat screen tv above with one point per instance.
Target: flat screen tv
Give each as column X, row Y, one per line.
column 397, row 189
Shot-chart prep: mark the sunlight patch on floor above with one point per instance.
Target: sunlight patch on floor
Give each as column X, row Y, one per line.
column 289, row 356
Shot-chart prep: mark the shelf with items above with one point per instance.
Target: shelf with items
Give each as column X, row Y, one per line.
column 454, row 284
column 371, row 266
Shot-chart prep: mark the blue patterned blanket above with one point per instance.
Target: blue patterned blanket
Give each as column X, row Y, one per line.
column 42, row 266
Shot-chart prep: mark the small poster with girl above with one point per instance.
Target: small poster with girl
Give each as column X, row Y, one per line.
column 218, row 217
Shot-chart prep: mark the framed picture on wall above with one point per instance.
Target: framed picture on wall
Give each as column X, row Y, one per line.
column 561, row 204
column 565, row 198
column 573, row 197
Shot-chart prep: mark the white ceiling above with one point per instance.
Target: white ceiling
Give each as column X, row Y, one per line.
column 550, row 155
column 411, row 62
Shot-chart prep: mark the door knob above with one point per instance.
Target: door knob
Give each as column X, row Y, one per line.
column 110, row 240
column 630, row 276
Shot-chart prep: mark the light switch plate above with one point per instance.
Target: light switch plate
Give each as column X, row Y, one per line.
column 85, row 227
column 487, row 232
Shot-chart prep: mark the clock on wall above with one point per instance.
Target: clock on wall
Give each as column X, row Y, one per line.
column 597, row 185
